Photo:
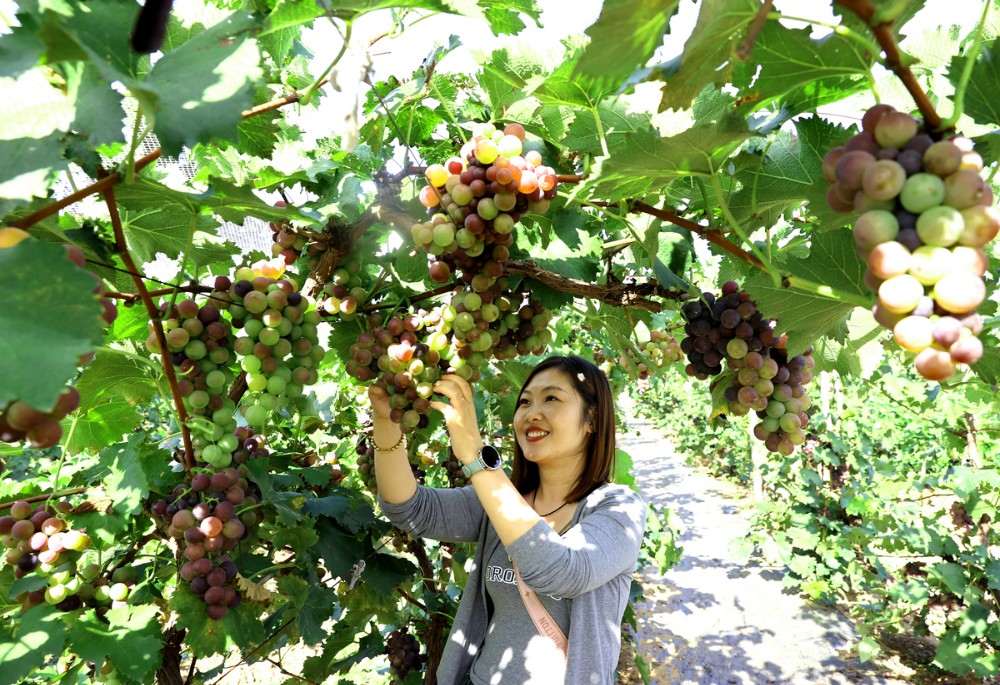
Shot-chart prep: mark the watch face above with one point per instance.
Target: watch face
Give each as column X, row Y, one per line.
column 491, row 456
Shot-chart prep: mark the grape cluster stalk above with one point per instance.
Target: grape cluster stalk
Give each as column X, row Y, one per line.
column 21, row 421
column 208, row 516
column 926, row 217
column 729, row 330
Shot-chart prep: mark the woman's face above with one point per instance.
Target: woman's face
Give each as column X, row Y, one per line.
column 548, row 421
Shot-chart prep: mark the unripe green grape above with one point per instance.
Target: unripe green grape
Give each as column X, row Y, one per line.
column 930, row 263
column 250, row 364
column 256, row 415
column 921, row 192
column 256, row 382
column 269, row 336
column 941, row 226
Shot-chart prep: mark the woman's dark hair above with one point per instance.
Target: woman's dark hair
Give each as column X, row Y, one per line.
column 598, row 410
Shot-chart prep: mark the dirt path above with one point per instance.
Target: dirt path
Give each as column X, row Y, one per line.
column 715, row 620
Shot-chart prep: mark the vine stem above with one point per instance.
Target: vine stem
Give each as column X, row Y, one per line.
column 121, row 247
column 865, row 10
column 970, row 62
column 287, row 672
column 324, row 77
column 746, row 46
column 42, row 498
column 100, row 186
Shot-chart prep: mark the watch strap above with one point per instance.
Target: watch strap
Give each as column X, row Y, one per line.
column 479, row 464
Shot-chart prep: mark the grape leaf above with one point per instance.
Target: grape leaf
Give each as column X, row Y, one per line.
column 130, row 638
column 44, row 333
column 291, row 13
column 113, row 374
column 708, row 52
column 338, row 549
column 27, row 167
column 788, row 172
column 21, row 49
column 786, row 60
column 239, row 627
column 805, row 316
column 41, row 633
column 203, row 85
column 505, row 77
column 171, row 230
column 583, row 136
column 860, row 351
column 344, row 507
column 102, row 425
column 646, row 162
column 980, row 94
column 623, row 38
column 99, row 110
column 126, row 485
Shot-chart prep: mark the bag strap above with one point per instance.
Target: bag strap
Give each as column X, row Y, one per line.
column 544, row 623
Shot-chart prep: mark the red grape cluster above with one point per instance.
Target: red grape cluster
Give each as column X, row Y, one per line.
column 287, row 243
column 366, row 462
column 404, row 654
column 717, row 327
column 21, row 421
column 202, row 516
column 475, row 200
column 926, row 217
column 730, row 329
column 394, row 357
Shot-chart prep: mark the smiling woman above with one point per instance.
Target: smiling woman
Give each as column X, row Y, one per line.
column 557, row 541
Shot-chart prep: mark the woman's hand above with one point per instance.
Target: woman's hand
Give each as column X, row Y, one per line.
column 459, row 416
column 380, row 402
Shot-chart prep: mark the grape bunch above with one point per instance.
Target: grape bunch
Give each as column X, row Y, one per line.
column 39, row 540
column 366, row 462
column 201, row 346
column 21, row 421
column 661, row 350
column 474, row 200
column 278, row 344
column 202, row 516
column 729, row 325
column 729, row 329
column 348, row 286
column 287, row 244
column 453, row 470
column 926, row 216
column 404, row 654
column 394, row 357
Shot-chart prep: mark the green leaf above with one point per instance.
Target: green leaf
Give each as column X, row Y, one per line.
column 807, row 316
column 99, row 110
column 505, row 77
column 787, row 61
column 858, row 353
column 45, row 332
column 644, row 162
column 21, row 49
column 171, row 229
column 623, row 469
column 958, row 655
column 27, row 168
column 338, row 549
column 41, row 633
column 130, row 637
column 126, row 486
column 980, row 94
column 708, row 53
column 623, row 39
column 291, row 13
column 787, row 173
column 952, row 575
column 346, row 507
column 100, row 426
column 205, row 84
column 868, row 649
column 115, row 374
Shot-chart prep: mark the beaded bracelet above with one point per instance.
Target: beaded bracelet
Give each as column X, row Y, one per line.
column 402, row 437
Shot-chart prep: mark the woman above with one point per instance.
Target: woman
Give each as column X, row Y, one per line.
column 572, row 535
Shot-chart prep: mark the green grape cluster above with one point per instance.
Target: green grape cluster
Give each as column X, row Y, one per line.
column 277, row 344
column 347, row 288
column 926, row 217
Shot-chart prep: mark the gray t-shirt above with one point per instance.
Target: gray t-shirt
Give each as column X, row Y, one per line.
column 511, row 631
column 591, row 563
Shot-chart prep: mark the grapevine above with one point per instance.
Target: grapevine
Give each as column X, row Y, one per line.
column 926, row 218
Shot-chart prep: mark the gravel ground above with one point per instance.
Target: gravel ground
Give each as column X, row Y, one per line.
column 716, row 620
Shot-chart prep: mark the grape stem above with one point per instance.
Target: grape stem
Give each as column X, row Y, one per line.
column 746, row 45
column 970, row 62
column 735, row 225
column 121, row 247
column 865, row 10
column 42, row 498
column 289, row 673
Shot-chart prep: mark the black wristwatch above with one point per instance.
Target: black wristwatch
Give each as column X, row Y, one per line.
column 487, row 459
